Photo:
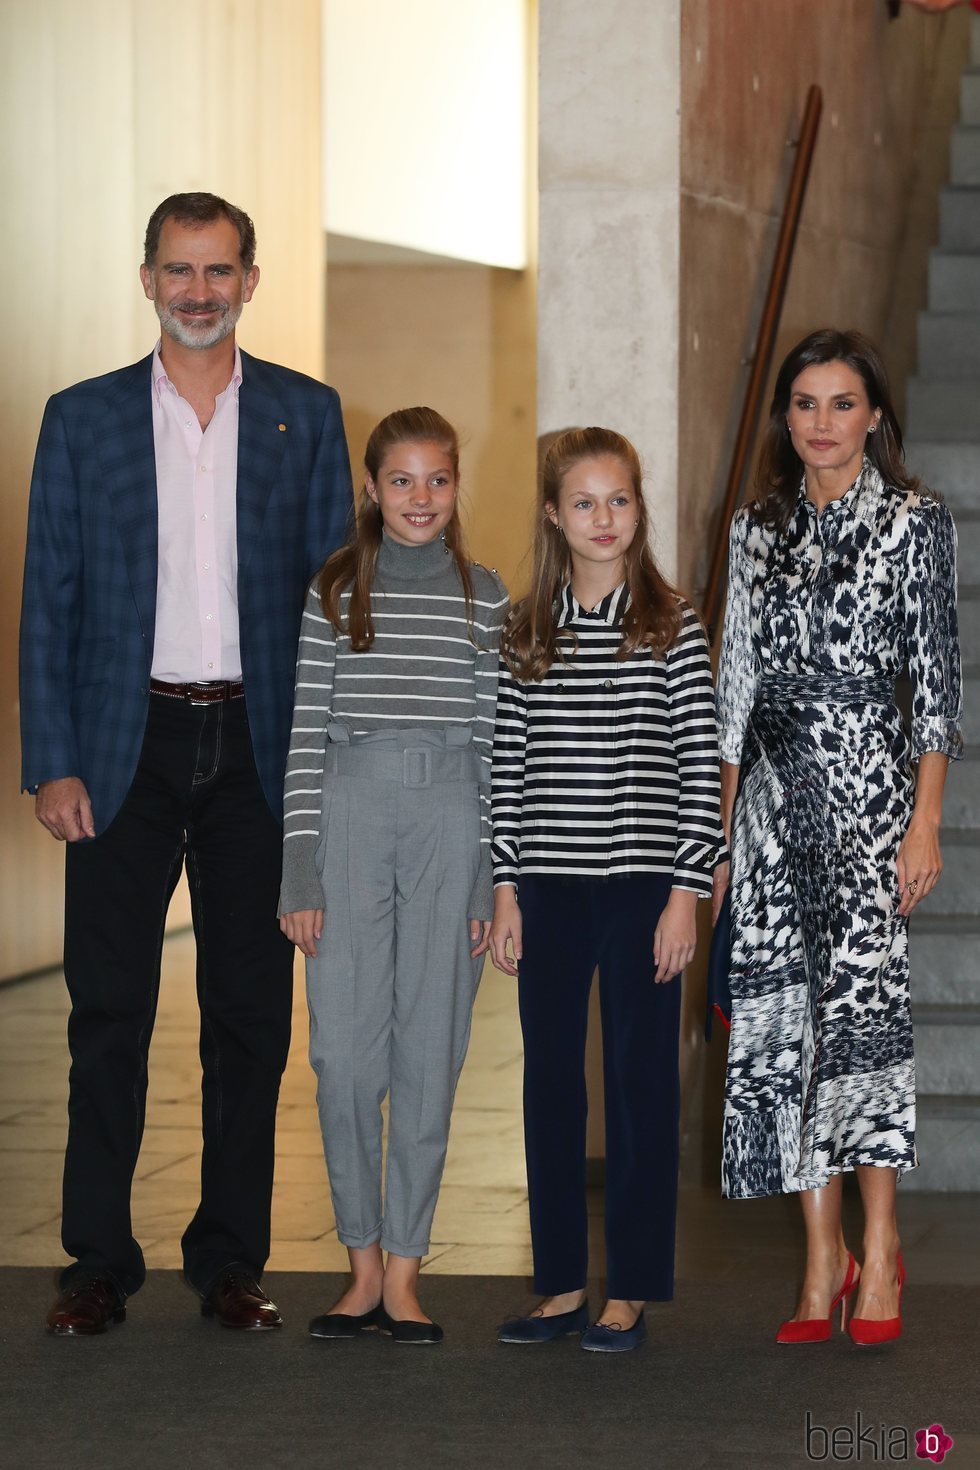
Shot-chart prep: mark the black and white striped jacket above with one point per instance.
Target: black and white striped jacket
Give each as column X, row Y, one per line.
column 609, row 766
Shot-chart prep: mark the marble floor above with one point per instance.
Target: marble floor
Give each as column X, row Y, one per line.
column 481, row 1222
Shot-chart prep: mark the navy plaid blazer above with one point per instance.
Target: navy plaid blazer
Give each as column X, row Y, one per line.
column 90, row 581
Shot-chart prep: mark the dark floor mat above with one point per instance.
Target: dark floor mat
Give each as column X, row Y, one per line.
column 710, row 1387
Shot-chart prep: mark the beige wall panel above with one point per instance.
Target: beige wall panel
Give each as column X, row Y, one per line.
column 104, row 109
column 461, row 339
column 889, row 95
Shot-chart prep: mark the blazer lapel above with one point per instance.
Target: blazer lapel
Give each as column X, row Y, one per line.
column 261, row 443
column 129, row 466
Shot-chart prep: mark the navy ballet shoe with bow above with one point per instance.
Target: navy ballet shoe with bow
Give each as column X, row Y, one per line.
column 538, row 1328
column 601, row 1338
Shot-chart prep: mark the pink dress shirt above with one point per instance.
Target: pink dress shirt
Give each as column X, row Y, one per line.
column 196, row 634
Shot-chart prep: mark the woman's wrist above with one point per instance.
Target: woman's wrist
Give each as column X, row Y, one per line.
column 680, row 896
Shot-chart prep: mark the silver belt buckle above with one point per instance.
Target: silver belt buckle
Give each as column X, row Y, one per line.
column 199, row 684
column 416, row 766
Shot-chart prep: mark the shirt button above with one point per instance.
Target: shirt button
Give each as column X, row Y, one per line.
column 209, row 618
column 204, row 518
column 560, row 688
column 211, row 666
column 207, row 566
column 607, row 683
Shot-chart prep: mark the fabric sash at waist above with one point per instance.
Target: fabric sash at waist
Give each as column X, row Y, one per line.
column 825, row 689
column 413, row 758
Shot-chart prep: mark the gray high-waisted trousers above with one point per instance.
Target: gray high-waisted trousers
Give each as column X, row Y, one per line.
column 391, row 990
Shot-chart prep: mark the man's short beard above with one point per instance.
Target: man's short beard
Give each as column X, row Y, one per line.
column 176, row 327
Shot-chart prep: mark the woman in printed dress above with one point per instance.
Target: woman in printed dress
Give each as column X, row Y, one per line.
column 842, row 573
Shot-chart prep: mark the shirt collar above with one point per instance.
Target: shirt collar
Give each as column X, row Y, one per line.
column 609, row 611
column 161, row 381
column 858, row 501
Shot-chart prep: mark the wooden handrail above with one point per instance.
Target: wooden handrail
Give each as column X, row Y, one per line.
column 765, row 339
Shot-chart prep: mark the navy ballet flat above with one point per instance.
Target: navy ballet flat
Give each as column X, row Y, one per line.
column 340, row 1325
column 408, row 1331
column 544, row 1329
column 603, row 1339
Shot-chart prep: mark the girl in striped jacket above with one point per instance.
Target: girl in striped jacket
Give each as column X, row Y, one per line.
column 606, row 831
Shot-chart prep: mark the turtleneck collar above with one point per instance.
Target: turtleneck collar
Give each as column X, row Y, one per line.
column 410, row 563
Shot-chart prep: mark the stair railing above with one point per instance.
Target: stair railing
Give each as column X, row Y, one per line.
column 761, row 358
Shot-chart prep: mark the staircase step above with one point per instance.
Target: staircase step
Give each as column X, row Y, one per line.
column 968, row 550
column 964, row 157
column 969, row 619
column 947, row 1137
column 954, row 279
column 961, row 803
column 951, row 469
column 959, row 887
column 944, row 959
column 949, row 341
column 947, row 1048
column 944, row 408
column 959, row 219
column 970, row 97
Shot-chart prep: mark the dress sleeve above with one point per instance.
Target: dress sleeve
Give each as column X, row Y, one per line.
column 509, row 742
column 738, row 669
column 493, row 609
column 700, row 843
column 931, row 631
column 303, row 802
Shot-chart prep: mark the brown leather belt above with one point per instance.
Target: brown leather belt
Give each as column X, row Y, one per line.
column 212, row 691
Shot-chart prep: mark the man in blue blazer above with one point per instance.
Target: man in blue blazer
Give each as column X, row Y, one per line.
column 179, row 508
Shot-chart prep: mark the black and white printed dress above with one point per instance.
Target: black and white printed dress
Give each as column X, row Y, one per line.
column 820, row 620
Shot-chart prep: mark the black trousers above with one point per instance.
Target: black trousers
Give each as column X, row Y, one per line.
column 570, row 928
column 195, row 796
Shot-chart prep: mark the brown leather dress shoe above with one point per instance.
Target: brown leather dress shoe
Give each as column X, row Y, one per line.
column 85, row 1308
column 237, row 1300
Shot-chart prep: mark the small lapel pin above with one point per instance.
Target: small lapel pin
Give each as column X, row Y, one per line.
column 282, row 428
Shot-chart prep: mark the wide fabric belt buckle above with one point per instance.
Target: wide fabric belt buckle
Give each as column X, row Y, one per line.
column 416, row 766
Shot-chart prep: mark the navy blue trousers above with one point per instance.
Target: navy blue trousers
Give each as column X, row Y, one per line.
column 572, row 926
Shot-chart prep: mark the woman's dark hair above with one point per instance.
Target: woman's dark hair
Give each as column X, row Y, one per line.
column 531, row 638
column 777, row 481
column 199, row 209
column 353, row 566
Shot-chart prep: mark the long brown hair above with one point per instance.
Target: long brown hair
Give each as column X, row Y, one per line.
column 652, row 620
column 353, row 565
column 777, row 481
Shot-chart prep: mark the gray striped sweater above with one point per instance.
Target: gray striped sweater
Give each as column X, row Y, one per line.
column 423, row 671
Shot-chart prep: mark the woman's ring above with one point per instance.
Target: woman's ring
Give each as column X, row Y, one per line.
column 912, row 885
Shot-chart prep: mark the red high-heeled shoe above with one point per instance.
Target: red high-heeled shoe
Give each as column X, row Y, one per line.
column 817, row 1329
column 867, row 1333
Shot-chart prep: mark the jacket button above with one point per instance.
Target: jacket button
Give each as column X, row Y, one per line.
column 607, row 683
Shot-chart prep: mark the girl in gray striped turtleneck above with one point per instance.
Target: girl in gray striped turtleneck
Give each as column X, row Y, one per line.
column 387, row 884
